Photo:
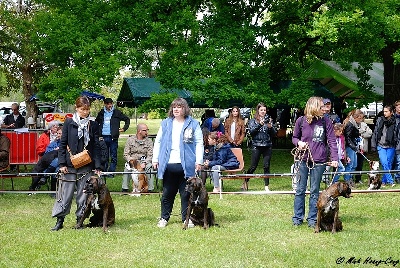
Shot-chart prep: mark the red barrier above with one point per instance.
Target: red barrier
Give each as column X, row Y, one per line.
column 23, row 147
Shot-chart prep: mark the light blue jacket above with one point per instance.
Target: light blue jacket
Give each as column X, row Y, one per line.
column 191, row 146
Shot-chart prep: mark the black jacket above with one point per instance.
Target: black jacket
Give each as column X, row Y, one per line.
column 261, row 135
column 70, row 137
column 116, row 119
column 351, row 134
column 19, row 123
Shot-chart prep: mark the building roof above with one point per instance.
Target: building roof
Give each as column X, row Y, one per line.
column 344, row 83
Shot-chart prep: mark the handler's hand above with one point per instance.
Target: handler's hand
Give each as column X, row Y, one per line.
column 64, row 170
column 334, row 163
column 155, row 165
column 301, row 145
column 198, row 167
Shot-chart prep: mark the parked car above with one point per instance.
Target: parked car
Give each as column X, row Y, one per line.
column 4, row 111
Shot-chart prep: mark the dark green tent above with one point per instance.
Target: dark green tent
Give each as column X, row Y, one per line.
column 135, row 91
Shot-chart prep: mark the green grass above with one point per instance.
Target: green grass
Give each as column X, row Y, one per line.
column 254, row 230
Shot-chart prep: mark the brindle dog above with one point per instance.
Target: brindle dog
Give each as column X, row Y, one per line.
column 328, row 207
column 98, row 201
column 198, row 210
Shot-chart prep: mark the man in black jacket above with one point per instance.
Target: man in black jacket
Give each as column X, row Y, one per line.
column 109, row 120
column 15, row 119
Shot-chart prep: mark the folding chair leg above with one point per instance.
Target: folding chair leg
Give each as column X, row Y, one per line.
column 220, row 188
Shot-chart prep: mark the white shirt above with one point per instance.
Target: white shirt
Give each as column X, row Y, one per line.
column 233, row 127
column 175, row 156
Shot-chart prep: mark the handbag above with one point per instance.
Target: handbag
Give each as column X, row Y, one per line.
column 80, row 159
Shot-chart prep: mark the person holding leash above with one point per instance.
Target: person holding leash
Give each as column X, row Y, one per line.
column 177, row 155
column 78, row 133
column 139, row 147
column 312, row 134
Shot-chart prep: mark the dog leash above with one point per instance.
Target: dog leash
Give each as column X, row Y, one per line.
column 299, row 155
column 61, row 179
column 364, row 157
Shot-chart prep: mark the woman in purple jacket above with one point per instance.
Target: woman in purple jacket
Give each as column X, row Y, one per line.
column 312, row 133
column 222, row 159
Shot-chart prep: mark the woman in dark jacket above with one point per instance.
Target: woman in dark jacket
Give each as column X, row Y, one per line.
column 222, row 159
column 352, row 139
column 384, row 139
column 78, row 133
column 262, row 132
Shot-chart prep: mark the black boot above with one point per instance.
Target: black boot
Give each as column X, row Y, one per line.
column 77, row 222
column 59, row 224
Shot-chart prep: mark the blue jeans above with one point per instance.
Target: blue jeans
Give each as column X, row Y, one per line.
column 215, row 174
column 339, row 169
column 112, row 145
column 397, row 175
column 299, row 198
column 351, row 166
column 386, row 157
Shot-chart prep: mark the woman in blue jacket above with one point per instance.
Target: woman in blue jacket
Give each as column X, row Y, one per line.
column 222, row 159
column 177, row 155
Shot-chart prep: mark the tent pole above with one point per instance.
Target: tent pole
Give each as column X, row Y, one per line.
column 136, row 115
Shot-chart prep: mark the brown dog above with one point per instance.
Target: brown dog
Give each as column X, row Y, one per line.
column 140, row 182
column 328, row 207
column 198, row 210
column 374, row 179
column 101, row 205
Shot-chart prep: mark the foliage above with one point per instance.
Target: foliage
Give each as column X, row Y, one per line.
column 345, row 32
column 159, row 104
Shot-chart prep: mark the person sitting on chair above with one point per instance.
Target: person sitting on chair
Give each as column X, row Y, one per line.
column 4, row 152
column 48, row 163
column 223, row 158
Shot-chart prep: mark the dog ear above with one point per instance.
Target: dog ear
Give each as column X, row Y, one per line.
column 100, row 181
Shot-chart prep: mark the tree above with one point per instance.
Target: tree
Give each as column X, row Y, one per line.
column 343, row 31
column 23, row 64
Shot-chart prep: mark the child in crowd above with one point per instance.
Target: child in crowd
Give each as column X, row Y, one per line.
column 222, row 159
column 338, row 129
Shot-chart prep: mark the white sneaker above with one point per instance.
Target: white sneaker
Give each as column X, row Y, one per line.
column 266, row 189
column 190, row 224
column 162, row 223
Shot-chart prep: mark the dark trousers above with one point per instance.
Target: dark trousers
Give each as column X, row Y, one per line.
column 256, row 153
column 112, row 145
column 173, row 181
column 360, row 163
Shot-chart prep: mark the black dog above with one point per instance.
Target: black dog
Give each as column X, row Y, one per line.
column 328, row 207
column 101, row 205
column 198, row 210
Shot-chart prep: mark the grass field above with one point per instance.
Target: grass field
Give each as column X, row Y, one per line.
column 253, row 231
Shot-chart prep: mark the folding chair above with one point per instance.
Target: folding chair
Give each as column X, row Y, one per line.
column 239, row 155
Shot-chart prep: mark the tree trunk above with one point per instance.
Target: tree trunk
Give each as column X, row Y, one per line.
column 391, row 75
column 29, row 91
